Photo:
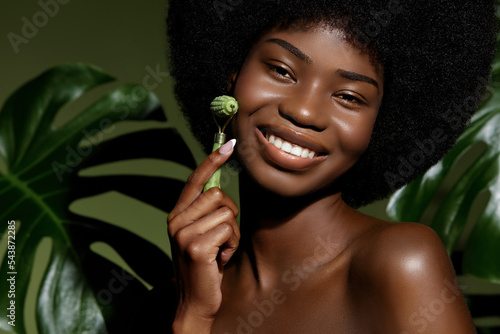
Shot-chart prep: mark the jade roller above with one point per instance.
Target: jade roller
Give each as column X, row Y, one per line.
column 222, row 107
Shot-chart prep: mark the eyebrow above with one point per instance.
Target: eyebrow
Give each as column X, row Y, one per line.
column 357, row 77
column 301, row 55
column 294, row 50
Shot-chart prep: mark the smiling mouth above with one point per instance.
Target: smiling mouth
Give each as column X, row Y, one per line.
column 290, row 148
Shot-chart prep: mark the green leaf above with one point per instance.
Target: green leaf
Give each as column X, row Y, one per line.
column 482, row 249
column 35, row 191
column 39, row 101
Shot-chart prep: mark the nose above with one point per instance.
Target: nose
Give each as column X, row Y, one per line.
column 305, row 107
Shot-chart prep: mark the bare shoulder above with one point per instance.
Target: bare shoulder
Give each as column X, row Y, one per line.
column 406, row 282
column 405, row 247
column 402, row 252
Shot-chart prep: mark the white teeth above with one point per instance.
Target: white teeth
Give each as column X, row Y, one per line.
column 278, row 143
column 296, row 151
column 287, row 147
column 290, row 148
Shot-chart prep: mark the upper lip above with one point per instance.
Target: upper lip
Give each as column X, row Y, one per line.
column 294, row 137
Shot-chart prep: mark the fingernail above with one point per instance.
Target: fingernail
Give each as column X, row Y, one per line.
column 227, row 146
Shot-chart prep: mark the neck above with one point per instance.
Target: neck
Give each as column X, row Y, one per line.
column 279, row 233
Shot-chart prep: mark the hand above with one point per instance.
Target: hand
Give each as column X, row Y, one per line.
column 203, row 235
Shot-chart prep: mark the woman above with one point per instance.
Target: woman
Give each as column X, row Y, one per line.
column 340, row 103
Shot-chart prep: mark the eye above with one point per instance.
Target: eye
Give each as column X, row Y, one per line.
column 351, row 98
column 279, row 71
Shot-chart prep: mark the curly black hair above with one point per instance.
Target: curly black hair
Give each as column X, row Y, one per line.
column 436, row 56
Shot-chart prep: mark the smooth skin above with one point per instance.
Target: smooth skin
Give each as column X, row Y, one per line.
column 304, row 261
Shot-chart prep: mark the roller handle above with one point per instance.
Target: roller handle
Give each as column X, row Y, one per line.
column 214, row 181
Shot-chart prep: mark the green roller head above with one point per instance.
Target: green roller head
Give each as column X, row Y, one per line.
column 224, row 106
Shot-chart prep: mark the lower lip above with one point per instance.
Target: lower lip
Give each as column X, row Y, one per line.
column 286, row 160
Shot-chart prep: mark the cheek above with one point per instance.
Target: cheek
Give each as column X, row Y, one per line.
column 355, row 135
column 250, row 92
column 245, row 90
column 253, row 89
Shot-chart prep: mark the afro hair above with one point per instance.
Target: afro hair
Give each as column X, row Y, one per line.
column 436, row 56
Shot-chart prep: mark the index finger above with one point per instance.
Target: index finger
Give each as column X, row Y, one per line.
column 196, row 181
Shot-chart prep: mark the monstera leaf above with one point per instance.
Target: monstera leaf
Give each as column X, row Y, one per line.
column 81, row 292
column 482, row 250
column 475, row 250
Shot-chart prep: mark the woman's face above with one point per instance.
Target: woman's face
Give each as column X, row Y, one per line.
column 308, row 102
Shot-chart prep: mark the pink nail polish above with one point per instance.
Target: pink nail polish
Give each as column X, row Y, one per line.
column 227, row 146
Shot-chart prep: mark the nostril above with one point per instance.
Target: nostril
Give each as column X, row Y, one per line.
column 299, row 124
column 288, row 117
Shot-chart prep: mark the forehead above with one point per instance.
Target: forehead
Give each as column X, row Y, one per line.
column 321, row 42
